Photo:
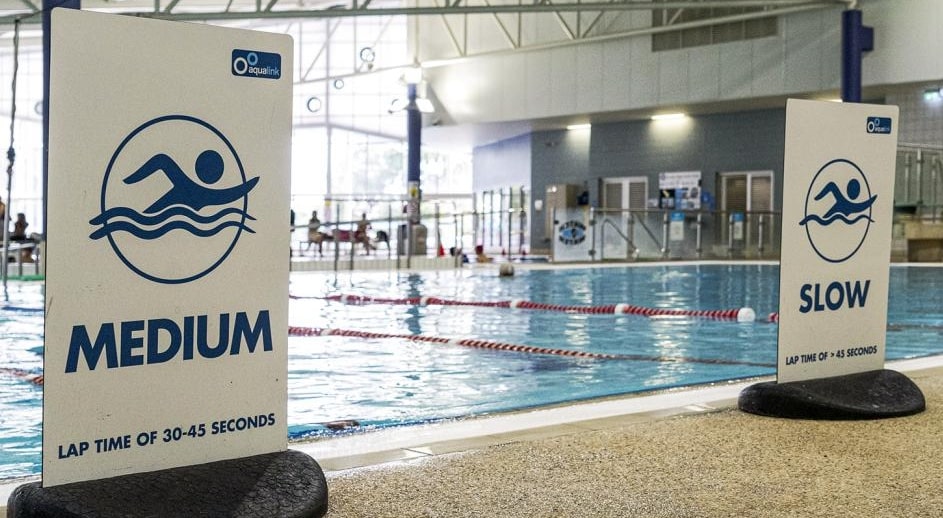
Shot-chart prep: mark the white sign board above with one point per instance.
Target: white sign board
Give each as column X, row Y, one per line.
column 837, row 207
column 572, row 238
column 167, row 257
column 680, row 180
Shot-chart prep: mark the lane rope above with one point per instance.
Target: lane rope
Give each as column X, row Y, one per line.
column 35, row 379
column 502, row 346
column 739, row 314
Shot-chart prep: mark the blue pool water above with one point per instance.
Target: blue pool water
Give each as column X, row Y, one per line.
column 395, row 381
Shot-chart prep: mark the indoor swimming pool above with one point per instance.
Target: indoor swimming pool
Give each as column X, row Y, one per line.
column 489, row 344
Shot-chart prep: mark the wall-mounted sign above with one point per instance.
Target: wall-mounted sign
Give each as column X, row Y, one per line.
column 572, row 235
column 167, row 268
column 837, row 208
column 680, row 180
column 680, row 190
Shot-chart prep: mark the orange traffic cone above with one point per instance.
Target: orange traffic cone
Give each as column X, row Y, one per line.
column 441, row 250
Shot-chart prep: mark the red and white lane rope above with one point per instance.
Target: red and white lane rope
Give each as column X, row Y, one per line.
column 35, row 379
column 501, row 346
column 739, row 315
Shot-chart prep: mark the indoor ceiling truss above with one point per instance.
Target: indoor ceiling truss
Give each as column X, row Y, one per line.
column 578, row 21
column 222, row 10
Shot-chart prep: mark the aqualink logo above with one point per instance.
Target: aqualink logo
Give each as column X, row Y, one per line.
column 838, row 210
column 880, row 125
column 174, row 199
column 255, row 63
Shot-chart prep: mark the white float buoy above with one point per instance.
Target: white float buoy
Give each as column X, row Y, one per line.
column 746, row 315
column 506, row 270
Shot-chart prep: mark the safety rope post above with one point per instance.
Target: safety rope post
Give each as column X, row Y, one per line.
column 11, row 157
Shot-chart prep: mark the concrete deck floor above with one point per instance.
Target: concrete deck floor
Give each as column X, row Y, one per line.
column 718, row 463
column 680, row 454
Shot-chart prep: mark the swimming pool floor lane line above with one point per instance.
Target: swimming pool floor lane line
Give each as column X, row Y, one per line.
column 738, row 314
column 500, row 346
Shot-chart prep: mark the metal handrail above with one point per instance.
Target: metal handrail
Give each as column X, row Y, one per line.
column 602, row 236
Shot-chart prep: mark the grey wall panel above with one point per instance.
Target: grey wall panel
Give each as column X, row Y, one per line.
column 563, row 82
column 704, row 73
column 908, row 36
column 736, row 71
column 616, row 74
column 769, row 77
column 502, row 164
column 672, row 77
column 589, row 70
column 643, row 69
column 803, row 52
column 538, row 94
column 921, row 118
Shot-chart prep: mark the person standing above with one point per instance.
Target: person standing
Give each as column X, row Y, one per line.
column 360, row 235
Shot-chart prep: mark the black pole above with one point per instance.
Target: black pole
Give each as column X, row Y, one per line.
column 856, row 40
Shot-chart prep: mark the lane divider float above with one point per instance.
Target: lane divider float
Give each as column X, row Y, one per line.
column 35, row 379
column 501, row 346
column 739, row 314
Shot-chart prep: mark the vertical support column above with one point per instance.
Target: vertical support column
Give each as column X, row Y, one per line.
column 413, row 142
column 415, row 232
column 856, row 40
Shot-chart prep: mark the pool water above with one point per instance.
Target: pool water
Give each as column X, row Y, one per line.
column 395, row 381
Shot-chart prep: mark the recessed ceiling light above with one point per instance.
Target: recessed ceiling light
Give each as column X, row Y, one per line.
column 668, row 116
column 572, row 127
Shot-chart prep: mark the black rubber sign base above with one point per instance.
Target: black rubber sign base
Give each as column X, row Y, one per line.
column 874, row 394
column 285, row 484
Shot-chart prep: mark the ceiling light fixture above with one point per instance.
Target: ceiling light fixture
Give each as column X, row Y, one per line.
column 573, row 127
column 669, row 116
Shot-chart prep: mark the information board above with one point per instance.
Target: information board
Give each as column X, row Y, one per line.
column 168, row 245
column 837, row 208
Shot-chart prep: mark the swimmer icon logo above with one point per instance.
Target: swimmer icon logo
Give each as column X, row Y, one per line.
column 166, row 224
column 572, row 232
column 838, row 210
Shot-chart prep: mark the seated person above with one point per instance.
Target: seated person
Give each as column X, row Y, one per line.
column 315, row 236
column 480, row 254
column 19, row 228
column 19, row 236
column 457, row 252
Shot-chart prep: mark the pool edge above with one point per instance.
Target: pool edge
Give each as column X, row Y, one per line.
column 374, row 449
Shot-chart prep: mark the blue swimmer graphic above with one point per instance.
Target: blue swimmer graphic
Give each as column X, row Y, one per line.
column 185, row 191
column 843, row 208
column 842, row 204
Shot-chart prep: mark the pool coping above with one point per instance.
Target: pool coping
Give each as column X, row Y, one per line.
column 392, row 445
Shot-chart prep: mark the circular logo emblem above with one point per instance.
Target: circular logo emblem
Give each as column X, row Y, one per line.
column 572, row 232
column 174, row 200
column 838, row 210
